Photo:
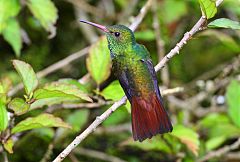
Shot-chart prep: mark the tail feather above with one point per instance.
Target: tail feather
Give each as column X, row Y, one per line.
column 149, row 117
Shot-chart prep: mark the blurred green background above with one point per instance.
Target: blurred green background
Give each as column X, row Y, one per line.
column 42, row 32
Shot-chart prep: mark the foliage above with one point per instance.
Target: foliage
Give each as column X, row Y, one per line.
column 205, row 116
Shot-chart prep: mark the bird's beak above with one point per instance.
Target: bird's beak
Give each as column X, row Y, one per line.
column 101, row 27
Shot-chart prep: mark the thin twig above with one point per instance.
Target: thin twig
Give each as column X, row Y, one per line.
column 5, row 157
column 138, row 19
column 119, row 103
column 114, row 129
column 52, row 108
column 48, row 153
column 56, row 66
column 98, row 155
column 160, row 44
column 221, row 151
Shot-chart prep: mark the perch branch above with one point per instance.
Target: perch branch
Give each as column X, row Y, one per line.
column 107, row 113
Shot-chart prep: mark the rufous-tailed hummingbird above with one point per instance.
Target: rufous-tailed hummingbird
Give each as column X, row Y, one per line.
column 133, row 67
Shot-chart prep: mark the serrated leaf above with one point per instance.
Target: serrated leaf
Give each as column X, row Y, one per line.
column 149, row 144
column 8, row 145
column 46, row 94
column 74, row 82
column 233, row 101
column 98, row 61
column 51, row 101
column 224, row 23
column 58, row 89
column 208, row 7
column 27, row 75
column 45, row 11
column 12, row 34
column 8, row 9
column 19, row 106
column 188, row 137
column 3, row 117
column 43, row 120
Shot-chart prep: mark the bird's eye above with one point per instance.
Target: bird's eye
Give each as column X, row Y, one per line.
column 117, row 34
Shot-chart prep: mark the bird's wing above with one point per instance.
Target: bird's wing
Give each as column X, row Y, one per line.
column 123, row 79
column 154, row 78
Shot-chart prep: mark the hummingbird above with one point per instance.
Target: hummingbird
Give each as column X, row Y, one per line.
column 133, row 67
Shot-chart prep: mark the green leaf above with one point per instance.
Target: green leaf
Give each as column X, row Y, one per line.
column 19, row 106
column 27, row 75
column 8, row 9
column 47, row 134
column 233, row 101
column 58, row 89
column 188, row 137
column 224, row 129
column 78, row 119
column 8, row 145
column 224, row 23
column 208, row 8
column 3, row 117
column 5, row 85
column 149, row 144
column 51, row 101
column 113, row 91
column 215, row 142
column 45, row 11
column 119, row 116
column 12, row 35
column 43, row 120
column 74, row 82
column 213, row 119
column 146, row 35
column 172, row 10
column 98, row 61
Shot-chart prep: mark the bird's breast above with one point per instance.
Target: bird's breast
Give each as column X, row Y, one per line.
column 136, row 72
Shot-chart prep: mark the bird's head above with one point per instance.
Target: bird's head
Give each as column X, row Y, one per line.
column 120, row 38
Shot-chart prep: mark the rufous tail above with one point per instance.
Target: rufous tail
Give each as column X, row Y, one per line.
column 149, row 117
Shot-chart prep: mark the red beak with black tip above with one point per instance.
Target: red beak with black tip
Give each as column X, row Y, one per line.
column 101, row 27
